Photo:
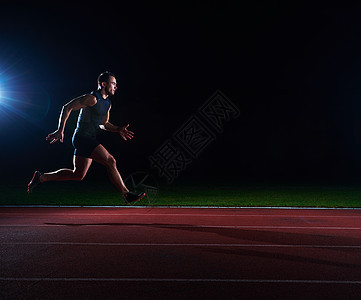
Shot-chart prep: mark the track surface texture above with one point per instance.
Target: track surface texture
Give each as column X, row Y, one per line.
column 179, row 253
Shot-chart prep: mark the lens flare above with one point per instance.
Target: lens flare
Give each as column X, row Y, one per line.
column 19, row 98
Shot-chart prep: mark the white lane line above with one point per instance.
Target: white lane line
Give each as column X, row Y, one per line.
column 182, row 226
column 169, row 214
column 146, row 207
column 195, row 280
column 181, row 245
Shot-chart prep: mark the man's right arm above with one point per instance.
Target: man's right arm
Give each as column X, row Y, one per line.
column 75, row 104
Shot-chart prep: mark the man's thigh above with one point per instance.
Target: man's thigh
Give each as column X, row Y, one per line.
column 81, row 165
column 101, row 155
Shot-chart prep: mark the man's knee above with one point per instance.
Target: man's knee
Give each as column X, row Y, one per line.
column 111, row 162
column 79, row 176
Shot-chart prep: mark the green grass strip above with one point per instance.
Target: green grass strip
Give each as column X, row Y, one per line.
column 103, row 193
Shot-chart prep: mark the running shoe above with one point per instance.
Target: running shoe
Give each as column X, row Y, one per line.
column 131, row 197
column 35, row 181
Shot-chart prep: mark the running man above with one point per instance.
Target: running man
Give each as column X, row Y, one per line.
column 94, row 114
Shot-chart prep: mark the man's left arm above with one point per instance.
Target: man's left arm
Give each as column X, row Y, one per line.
column 123, row 131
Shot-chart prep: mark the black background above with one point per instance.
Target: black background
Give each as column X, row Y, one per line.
column 293, row 70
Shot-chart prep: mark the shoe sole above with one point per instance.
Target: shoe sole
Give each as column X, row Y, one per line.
column 30, row 187
column 140, row 198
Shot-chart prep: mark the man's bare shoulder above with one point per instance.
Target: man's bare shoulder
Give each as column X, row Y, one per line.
column 88, row 100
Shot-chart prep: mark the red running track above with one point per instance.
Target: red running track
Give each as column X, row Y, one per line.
column 179, row 253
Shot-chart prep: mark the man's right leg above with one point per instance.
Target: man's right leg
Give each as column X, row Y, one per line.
column 81, row 167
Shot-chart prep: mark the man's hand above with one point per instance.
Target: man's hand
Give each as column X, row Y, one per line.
column 125, row 133
column 55, row 136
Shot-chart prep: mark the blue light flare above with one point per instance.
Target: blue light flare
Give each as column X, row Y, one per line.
column 19, row 98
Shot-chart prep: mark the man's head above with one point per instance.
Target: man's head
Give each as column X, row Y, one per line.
column 107, row 82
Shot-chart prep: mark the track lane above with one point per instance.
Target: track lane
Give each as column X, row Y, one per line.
column 142, row 247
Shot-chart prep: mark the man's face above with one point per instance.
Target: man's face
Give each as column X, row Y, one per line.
column 111, row 86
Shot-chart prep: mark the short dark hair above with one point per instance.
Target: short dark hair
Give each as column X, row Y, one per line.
column 104, row 77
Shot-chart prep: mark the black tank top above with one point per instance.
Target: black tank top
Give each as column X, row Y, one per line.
column 91, row 117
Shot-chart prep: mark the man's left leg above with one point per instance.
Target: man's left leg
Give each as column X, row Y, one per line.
column 102, row 156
